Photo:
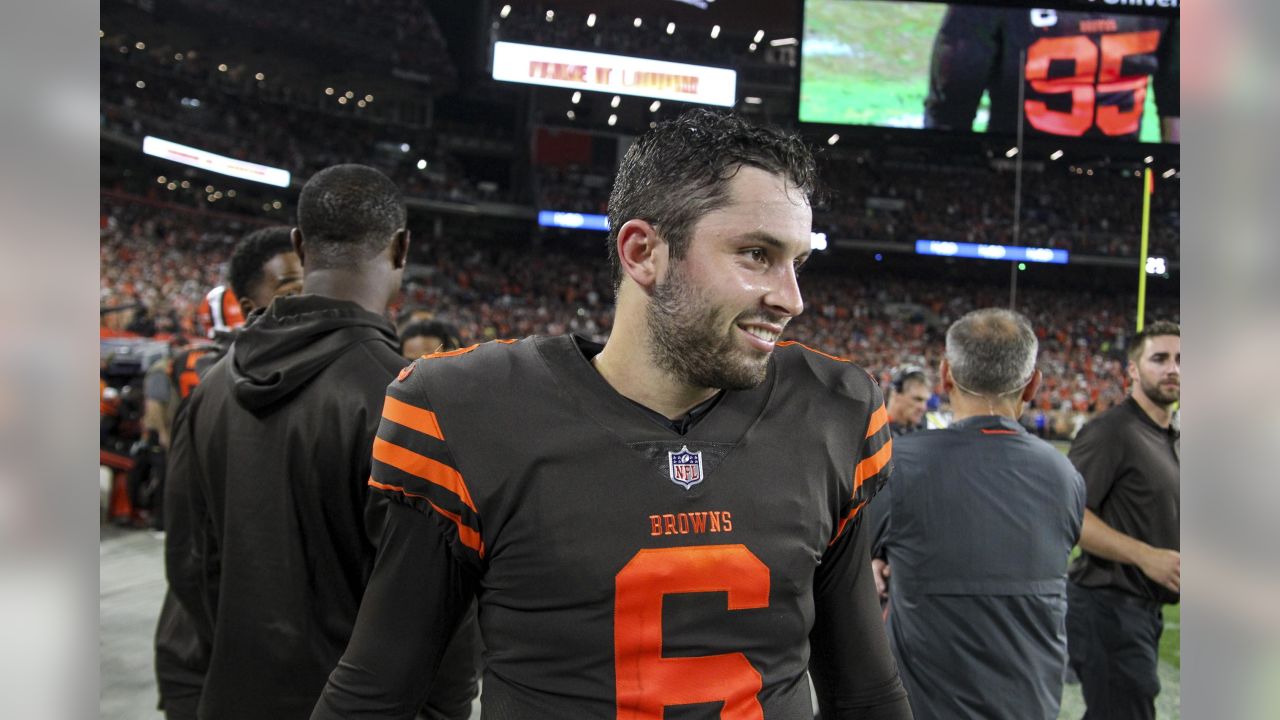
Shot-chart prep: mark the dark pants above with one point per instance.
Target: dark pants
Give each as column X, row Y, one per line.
column 1113, row 643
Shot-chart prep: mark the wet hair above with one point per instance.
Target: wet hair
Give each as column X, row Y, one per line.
column 447, row 333
column 244, row 270
column 680, row 170
column 992, row 351
column 348, row 214
column 1160, row 328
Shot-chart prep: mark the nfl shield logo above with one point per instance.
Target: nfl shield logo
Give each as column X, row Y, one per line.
column 686, row 467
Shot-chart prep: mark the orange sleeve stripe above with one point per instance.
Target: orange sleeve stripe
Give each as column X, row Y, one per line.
column 462, row 351
column 466, row 534
column 412, row 417
column 845, row 521
column 432, row 471
column 837, row 358
column 872, row 465
column 879, row 419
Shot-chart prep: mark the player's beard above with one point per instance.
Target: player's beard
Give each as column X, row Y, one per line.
column 696, row 342
column 1161, row 395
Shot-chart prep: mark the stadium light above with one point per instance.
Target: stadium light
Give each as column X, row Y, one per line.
column 368, row 98
column 222, row 67
column 162, row 180
column 576, row 97
column 759, row 36
column 404, row 147
column 342, row 100
column 140, row 45
column 1055, row 155
column 715, row 31
column 361, row 103
column 422, row 164
column 328, row 91
column 752, row 47
column 671, row 28
column 638, row 22
column 616, row 101
column 1148, row 159
column 205, row 160
column 1089, row 171
column 350, row 95
column 591, row 20
column 752, row 100
column 1168, row 173
column 613, row 120
column 835, row 138
column 551, row 15
column 259, row 77
column 141, row 84
column 817, row 241
column 506, row 10
column 1156, row 265
column 571, row 115
column 783, row 42
column 1011, row 152
column 653, row 106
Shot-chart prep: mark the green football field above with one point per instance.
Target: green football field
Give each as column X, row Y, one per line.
column 867, row 63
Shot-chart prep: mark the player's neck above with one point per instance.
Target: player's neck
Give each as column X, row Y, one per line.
column 1161, row 415
column 628, row 368
column 965, row 406
column 355, row 287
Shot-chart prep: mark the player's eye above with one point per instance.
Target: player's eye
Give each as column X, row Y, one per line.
column 757, row 255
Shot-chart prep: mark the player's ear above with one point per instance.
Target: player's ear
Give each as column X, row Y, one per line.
column 295, row 239
column 948, row 382
column 1029, row 392
column 400, row 249
column 641, row 252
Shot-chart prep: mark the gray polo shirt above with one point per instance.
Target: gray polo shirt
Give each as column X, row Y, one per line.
column 977, row 525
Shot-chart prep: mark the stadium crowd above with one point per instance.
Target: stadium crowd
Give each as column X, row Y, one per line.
column 164, row 258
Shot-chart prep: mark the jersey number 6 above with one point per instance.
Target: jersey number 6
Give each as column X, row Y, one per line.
column 646, row 681
column 1081, row 51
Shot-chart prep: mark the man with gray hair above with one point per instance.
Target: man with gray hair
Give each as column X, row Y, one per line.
column 977, row 526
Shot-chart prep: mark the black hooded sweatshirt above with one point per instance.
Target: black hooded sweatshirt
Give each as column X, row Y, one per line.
column 273, row 530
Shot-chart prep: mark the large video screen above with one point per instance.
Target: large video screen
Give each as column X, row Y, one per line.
column 960, row 67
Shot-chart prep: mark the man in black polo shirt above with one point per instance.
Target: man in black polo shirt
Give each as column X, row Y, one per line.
column 1129, row 457
column 977, row 524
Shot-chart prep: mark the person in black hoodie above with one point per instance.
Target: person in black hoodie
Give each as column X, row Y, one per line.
column 270, row 460
column 261, row 268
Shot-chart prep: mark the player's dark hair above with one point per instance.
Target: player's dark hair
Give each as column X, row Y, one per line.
column 680, row 170
column 992, row 351
column 244, row 270
column 447, row 333
column 1160, row 328
column 348, row 214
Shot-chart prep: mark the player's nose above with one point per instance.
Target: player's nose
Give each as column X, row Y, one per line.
column 784, row 295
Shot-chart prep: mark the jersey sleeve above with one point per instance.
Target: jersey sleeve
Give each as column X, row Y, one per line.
column 874, row 462
column 1096, row 455
column 964, row 52
column 412, row 465
column 416, row 598
column 854, row 673
column 1168, row 74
